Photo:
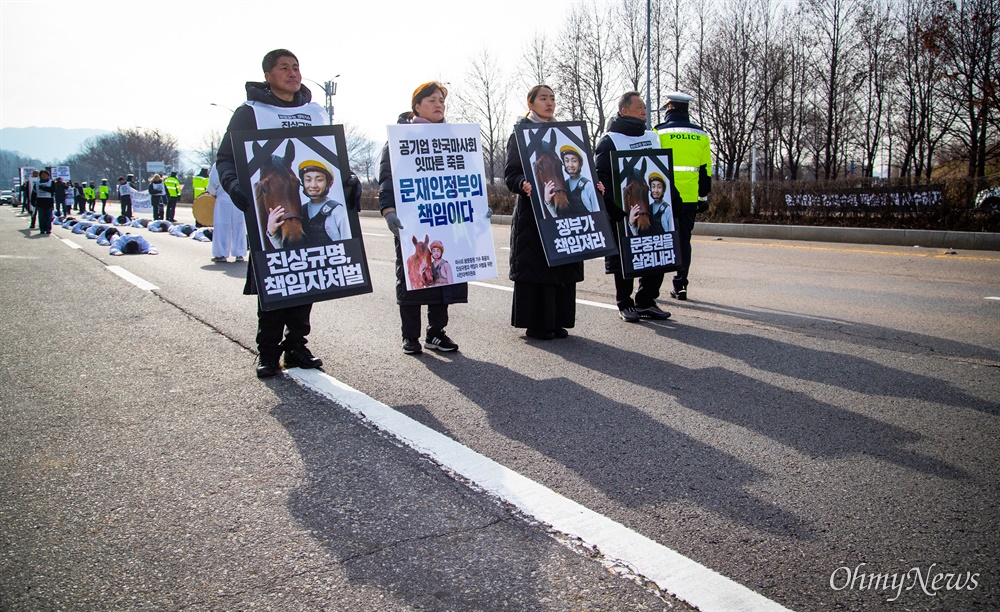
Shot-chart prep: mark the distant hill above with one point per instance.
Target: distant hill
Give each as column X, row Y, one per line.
column 47, row 144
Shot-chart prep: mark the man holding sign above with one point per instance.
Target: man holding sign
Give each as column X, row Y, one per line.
column 627, row 132
column 281, row 101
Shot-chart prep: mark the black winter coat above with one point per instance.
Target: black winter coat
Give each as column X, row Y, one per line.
column 527, row 257
column 448, row 294
column 59, row 189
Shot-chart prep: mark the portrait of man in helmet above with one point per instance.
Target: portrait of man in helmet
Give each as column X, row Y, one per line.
column 325, row 219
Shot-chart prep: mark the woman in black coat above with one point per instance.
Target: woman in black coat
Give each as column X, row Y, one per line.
column 544, row 297
column 427, row 106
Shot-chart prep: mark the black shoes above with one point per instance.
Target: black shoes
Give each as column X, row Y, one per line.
column 439, row 342
column 629, row 315
column 679, row 294
column 652, row 312
column 411, row 346
column 301, row 357
column 267, row 367
column 539, row 334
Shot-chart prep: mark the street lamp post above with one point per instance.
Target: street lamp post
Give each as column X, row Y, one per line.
column 330, row 90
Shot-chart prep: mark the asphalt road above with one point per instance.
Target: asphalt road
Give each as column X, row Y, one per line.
column 814, row 416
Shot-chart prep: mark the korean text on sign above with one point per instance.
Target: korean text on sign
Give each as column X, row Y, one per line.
column 652, row 251
column 301, row 271
column 578, row 235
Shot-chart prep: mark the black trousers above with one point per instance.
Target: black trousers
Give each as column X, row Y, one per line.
column 44, row 212
column 649, row 290
column 409, row 315
column 171, row 207
column 157, row 202
column 126, row 203
column 684, row 221
column 292, row 323
column 104, row 207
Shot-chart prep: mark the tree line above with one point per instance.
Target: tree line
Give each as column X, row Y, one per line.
column 803, row 89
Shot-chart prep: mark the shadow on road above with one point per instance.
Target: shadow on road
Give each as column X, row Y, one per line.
column 853, row 332
column 619, row 449
column 836, row 369
column 398, row 524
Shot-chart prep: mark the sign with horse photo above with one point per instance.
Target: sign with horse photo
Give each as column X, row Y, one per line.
column 644, row 184
column 440, row 188
column 305, row 243
column 570, row 212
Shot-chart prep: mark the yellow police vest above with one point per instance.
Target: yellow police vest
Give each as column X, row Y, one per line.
column 173, row 186
column 692, row 156
column 199, row 184
column 102, row 192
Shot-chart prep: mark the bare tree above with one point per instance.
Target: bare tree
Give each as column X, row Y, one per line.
column 484, row 101
column 878, row 69
column 571, row 93
column 630, row 28
column 831, row 22
column 732, row 83
column 208, row 147
column 536, row 57
column 965, row 33
column 676, row 14
column 793, row 95
column 587, row 49
column 363, row 153
column 920, row 68
column 126, row 151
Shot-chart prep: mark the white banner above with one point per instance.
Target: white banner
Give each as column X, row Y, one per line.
column 141, row 202
column 437, row 174
column 60, row 171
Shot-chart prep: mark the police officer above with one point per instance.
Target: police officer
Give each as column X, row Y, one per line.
column 102, row 194
column 174, row 188
column 692, row 175
column 90, row 194
column 199, row 183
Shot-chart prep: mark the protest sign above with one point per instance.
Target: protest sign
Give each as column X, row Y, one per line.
column 642, row 183
column 439, row 184
column 315, row 251
column 572, row 221
column 142, row 202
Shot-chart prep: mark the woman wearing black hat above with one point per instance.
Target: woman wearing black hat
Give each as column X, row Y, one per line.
column 427, row 105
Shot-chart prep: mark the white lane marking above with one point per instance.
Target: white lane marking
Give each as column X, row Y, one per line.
column 991, row 298
column 70, row 243
column 671, row 571
column 583, row 302
column 16, row 257
column 492, row 286
column 132, row 278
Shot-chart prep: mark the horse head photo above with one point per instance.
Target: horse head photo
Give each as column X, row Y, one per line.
column 636, row 191
column 279, row 186
column 548, row 167
column 419, row 267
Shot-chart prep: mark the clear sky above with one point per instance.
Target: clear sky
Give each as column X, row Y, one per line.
column 162, row 64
